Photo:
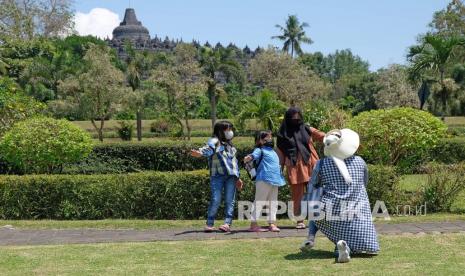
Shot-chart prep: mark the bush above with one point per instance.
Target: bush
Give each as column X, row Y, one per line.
column 383, row 185
column 160, row 126
column 449, row 151
column 44, row 145
column 126, row 130
column 400, row 136
column 147, row 195
column 444, row 185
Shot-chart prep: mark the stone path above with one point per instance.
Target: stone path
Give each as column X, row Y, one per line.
column 9, row 236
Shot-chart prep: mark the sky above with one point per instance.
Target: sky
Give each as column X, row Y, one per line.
column 379, row 31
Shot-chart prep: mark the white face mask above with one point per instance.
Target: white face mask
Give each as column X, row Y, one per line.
column 228, row 134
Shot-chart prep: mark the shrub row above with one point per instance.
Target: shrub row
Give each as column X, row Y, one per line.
column 148, row 195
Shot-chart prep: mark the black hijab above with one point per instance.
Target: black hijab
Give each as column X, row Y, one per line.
column 293, row 137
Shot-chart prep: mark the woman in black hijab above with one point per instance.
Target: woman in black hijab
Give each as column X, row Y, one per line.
column 297, row 153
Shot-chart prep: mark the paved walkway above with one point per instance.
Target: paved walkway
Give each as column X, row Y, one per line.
column 10, row 236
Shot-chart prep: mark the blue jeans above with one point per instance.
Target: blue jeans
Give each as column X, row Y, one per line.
column 217, row 185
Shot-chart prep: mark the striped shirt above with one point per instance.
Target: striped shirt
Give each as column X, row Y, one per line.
column 221, row 158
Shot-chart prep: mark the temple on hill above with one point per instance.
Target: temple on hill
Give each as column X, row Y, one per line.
column 132, row 30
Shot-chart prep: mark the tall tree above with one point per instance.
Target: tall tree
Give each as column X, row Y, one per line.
column 183, row 80
column 395, row 89
column 25, row 19
column 293, row 35
column 98, row 89
column 433, row 56
column 138, row 68
column 293, row 82
column 220, row 67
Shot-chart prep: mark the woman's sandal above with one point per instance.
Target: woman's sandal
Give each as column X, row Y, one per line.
column 225, row 228
column 274, row 228
column 300, row 225
column 257, row 229
column 209, row 229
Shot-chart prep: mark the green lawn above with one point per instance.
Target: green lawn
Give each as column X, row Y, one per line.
column 450, row 121
column 400, row 255
column 177, row 224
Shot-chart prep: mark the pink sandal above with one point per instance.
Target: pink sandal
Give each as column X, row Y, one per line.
column 209, row 229
column 274, row 228
column 225, row 228
column 257, row 229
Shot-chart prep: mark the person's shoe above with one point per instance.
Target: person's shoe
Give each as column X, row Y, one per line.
column 225, row 228
column 307, row 245
column 343, row 252
column 209, row 229
column 274, row 228
column 300, row 225
column 256, row 228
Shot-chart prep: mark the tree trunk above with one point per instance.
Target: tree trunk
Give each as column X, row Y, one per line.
column 139, row 125
column 443, row 96
column 292, row 49
column 98, row 129
column 188, row 127
column 212, row 96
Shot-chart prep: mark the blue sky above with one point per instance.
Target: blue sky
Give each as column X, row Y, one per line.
column 380, row 31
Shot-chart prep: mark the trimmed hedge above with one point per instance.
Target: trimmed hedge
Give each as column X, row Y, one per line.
column 449, row 151
column 147, row 195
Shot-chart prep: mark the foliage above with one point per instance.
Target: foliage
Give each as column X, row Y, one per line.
column 395, row 89
column 356, row 92
column 183, row 82
column 292, row 35
column 324, row 115
column 44, row 145
column 220, row 67
column 25, row 19
column 148, row 195
column 265, row 108
column 14, row 105
column 293, row 83
column 398, row 136
column 445, row 183
column 432, row 57
column 96, row 99
column 334, row 66
column 125, row 131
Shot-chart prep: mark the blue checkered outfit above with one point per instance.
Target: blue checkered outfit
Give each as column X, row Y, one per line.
column 222, row 159
column 353, row 222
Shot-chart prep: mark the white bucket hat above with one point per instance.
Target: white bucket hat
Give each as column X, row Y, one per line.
column 341, row 144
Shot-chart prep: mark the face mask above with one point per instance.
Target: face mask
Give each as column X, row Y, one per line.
column 228, row 135
column 296, row 122
column 269, row 143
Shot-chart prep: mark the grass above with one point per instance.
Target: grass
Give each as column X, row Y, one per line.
column 400, row 255
column 451, row 121
column 141, row 224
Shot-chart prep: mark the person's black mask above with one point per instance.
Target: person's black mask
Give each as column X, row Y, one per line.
column 269, row 143
column 296, row 122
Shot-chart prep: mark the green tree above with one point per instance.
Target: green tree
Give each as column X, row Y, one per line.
column 98, row 90
column 26, row 19
column 293, row 35
column 334, row 66
column 138, row 68
column 433, row 56
column 293, row 82
column 264, row 107
column 395, row 88
column 15, row 105
column 220, row 67
column 184, row 81
column 44, row 145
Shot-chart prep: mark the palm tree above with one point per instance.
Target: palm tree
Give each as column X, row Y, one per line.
column 293, row 35
column 138, row 66
column 433, row 55
column 265, row 108
column 219, row 66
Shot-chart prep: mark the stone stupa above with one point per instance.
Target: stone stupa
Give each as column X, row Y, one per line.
column 131, row 28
